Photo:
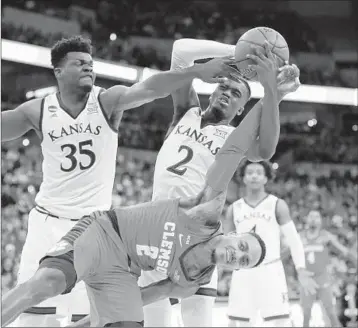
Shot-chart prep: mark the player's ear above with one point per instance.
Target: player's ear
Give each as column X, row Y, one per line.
column 239, row 111
column 57, row 71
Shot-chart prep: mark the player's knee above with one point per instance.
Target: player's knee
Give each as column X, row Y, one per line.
column 46, row 283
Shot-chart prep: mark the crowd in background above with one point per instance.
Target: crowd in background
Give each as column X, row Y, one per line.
column 167, row 20
column 334, row 194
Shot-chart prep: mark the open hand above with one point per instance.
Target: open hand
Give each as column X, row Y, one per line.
column 308, row 284
column 265, row 65
column 216, row 70
column 288, row 79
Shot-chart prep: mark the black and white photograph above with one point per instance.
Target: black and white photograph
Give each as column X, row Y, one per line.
column 179, row 163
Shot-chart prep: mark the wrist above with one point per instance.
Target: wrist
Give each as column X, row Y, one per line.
column 193, row 71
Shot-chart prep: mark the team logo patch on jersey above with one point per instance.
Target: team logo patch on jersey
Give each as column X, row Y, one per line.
column 52, row 109
column 220, row 133
column 92, row 108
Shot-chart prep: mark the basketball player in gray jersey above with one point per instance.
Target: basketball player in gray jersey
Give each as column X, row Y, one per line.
column 78, row 129
column 181, row 238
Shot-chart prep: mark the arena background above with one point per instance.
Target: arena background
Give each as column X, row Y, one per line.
column 317, row 155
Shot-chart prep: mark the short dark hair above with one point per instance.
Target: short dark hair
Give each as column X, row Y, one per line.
column 263, row 248
column 266, row 165
column 65, row 45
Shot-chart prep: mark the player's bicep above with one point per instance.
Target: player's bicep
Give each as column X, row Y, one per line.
column 282, row 212
column 16, row 122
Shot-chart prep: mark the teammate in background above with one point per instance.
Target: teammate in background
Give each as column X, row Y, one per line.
column 264, row 288
column 195, row 137
column 181, row 238
column 316, row 242
column 78, row 127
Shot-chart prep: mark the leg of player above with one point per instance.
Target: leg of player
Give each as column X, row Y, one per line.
column 158, row 314
column 306, row 304
column 325, row 295
column 46, row 283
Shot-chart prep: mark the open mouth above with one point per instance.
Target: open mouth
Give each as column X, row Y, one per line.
column 224, row 101
column 229, row 255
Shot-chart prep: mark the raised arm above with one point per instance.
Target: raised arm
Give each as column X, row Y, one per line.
column 120, row 98
column 185, row 52
column 18, row 121
column 287, row 81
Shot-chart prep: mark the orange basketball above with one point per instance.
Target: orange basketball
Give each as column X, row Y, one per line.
column 257, row 37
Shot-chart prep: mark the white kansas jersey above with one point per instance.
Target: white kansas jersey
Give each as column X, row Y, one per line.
column 79, row 158
column 260, row 219
column 186, row 155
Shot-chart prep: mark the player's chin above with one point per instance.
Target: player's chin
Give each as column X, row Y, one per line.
column 86, row 86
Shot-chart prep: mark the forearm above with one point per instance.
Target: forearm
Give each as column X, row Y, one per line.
column 295, row 244
column 164, row 83
column 234, row 149
column 269, row 130
column 157, row 291
column 186, row 51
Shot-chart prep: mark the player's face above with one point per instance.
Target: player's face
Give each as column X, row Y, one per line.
column 238, row 251
column 314, row 220
column 255, row 176
column 229, row 99
column 77, row 70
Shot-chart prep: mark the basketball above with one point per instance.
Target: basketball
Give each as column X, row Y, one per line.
column 257, row 37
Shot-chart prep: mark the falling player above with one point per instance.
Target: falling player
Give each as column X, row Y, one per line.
column 108, row 249
column 316, row 242
column 194, row 138
column 264, row 288
column 78, row 128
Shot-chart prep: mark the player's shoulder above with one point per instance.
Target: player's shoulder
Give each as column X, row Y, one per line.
column 33, row 110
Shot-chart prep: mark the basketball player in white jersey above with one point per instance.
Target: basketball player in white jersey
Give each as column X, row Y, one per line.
column 194, row 138
column 78, row 129
column 264, row 288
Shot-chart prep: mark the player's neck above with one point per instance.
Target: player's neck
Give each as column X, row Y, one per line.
column 255, row 195
column 72, row 101
column 209, row 118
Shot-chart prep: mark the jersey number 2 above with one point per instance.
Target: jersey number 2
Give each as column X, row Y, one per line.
column 150, row 251
column 83, row 151
column 176, row 168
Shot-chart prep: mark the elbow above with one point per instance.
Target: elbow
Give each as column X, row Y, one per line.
column 267, row 153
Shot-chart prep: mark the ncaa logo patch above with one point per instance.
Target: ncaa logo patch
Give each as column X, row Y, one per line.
column 60, row 248
column 220, row 133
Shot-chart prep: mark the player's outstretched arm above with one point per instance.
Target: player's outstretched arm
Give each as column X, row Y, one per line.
column 163, row 289
column 184, row 53
column 287, row 81
column 295, row 245
column 120, row 98
column 18, row 121
column 333, row 240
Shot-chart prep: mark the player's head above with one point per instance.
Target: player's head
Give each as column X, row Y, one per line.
column 239, row 251
column 72, row 62
column 256, row 175
column 229, row 99
column 314, row 220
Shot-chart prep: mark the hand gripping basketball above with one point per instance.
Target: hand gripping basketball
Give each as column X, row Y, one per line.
column 266, row 65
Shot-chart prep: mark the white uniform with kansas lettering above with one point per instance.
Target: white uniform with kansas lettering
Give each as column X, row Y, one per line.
column 180, row 170
column 79, row 159
column 262, row 289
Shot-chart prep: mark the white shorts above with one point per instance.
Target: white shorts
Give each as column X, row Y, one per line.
column 210, row 289
column 43, row 233
column 262, row 289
